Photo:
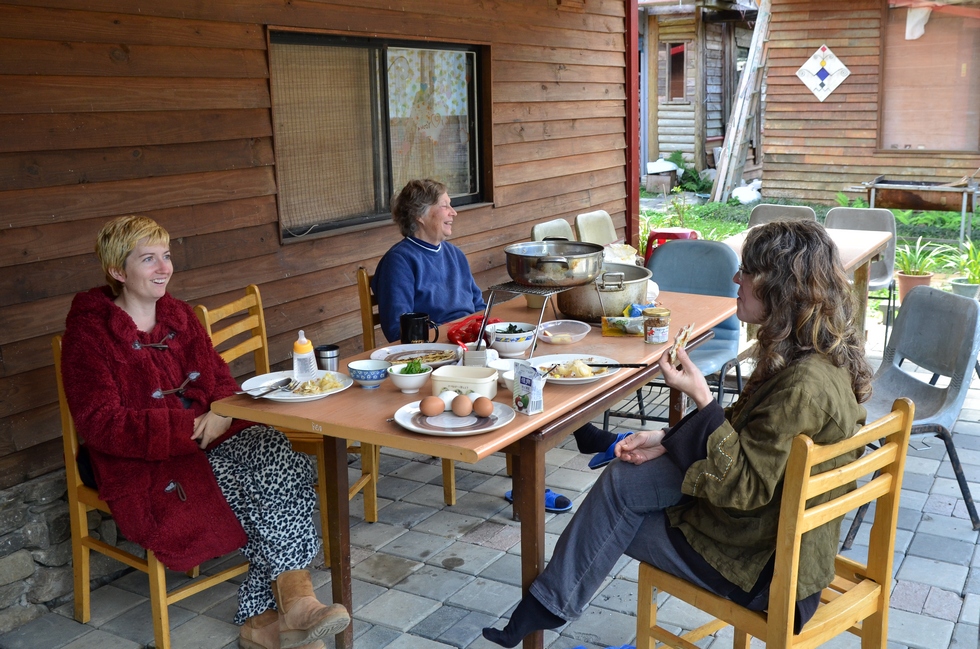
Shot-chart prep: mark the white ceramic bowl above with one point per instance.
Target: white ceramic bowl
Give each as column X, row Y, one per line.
column 409, row 383
column 563, row 332
column 508, row 379
column 513, row 344
column 505, row 365
column 368, row 373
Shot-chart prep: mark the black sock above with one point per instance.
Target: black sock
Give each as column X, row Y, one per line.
column 529, row 616
column 592, row 439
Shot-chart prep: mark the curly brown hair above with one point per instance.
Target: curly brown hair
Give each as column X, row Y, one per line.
column 809, row 306
column 413, row 201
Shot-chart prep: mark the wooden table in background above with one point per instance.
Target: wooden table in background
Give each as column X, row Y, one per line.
column 858, row 248
column 365, row 416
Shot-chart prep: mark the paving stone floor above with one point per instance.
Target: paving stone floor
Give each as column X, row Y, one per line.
column 427, row 576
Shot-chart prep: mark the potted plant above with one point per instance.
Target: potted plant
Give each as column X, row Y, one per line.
column 966, row 262
column 914, row 265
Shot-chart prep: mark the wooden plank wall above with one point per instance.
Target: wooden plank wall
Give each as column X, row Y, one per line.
column 814, row 150
column 162, row 108
column 675, row 124
column 713, row 78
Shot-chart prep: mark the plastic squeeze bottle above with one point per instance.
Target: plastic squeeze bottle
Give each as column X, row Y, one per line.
column 304, row 362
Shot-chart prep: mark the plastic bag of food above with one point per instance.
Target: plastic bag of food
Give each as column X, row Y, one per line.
column 619, row 253
column 467, row 330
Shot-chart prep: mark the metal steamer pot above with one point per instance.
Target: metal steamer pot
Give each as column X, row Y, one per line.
column 553, row 264
column 616, row 287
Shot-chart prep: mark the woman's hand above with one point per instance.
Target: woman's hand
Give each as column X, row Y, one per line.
column 209, row 427
column 642, row 446
column 688, row 379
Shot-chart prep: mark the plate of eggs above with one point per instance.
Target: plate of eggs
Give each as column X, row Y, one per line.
column 452, row 414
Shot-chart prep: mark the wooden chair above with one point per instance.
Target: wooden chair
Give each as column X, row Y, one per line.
column 370, row 320
column 253, row 324
column 82, row 500
column 857, row 600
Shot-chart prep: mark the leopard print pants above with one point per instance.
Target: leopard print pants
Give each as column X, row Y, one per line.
column 269, row 486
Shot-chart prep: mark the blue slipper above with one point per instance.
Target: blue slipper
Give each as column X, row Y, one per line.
column 600, row 460
column 553, row 502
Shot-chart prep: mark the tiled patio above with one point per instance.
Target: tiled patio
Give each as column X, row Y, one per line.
column 427, row 576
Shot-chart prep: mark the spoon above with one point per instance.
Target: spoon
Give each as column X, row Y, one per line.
column 268, row 387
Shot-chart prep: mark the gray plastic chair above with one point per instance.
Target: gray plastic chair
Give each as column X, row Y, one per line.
column 940, row 333
column 882, row 273
column 596, row 227
column 554, row 229
column 767, row 212
column 700, row 267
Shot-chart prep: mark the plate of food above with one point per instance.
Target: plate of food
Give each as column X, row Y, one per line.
column 573, row 369
column 449, row 425
column 325, row 384
column 432, row 354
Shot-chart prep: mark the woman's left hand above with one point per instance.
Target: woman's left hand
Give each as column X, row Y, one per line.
column 209, row 427
column 688, row 379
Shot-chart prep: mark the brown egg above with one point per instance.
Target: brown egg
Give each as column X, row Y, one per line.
column 432, row 406
column 482, row 407
column 462, row 406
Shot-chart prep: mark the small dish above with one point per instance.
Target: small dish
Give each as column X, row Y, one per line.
column 563, row 332
column 508, row 378
column 409, row 383
column 505, row 365
column 369, row 373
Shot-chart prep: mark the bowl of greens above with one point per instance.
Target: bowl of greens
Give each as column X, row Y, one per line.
column 510, row 339
column 409, row 377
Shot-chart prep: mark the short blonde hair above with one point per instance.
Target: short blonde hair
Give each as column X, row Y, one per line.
column 119, row 237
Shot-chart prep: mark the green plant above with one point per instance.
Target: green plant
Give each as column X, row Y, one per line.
column 690, row 180
column 844, row 201
column 920, row 259
column 965, row 261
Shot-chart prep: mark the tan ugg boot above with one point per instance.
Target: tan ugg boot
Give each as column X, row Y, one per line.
column 302, row 618
column 260, row 631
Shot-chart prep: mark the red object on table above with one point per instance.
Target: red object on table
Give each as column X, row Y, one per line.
column 658, row 237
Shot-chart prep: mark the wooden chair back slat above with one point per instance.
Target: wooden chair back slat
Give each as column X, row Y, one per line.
column 370, row 318
column 253, row 323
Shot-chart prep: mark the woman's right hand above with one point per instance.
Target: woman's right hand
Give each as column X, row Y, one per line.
column 642, row 446
column 688, row 378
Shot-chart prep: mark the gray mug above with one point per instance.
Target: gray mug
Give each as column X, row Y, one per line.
column 327, row 357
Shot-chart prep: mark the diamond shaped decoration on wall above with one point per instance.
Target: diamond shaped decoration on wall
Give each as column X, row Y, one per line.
column 823, row 72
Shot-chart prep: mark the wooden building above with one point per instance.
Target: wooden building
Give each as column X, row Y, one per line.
column 170, row 109
column 909, row 109
column 693, row 54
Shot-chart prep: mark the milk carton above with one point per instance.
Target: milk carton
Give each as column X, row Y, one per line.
column 528, row 389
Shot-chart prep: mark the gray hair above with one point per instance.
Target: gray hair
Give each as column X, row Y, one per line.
column 413, row 201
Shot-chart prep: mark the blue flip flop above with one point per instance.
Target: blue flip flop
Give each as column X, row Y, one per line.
column 600, row 460
column 553, row 502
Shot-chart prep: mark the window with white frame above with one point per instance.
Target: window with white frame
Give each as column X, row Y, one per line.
column 931, row 76
column 355, row 119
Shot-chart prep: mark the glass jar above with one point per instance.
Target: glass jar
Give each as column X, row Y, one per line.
column 656, row 325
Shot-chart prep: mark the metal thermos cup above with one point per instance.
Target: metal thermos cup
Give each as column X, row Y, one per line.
column 327, row 357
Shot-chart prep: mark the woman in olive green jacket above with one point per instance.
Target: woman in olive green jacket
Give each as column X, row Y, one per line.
column 701, row 500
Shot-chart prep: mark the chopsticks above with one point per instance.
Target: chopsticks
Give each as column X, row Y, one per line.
column 618, row 364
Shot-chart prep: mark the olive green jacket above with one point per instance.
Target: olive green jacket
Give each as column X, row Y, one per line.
column 733, row 518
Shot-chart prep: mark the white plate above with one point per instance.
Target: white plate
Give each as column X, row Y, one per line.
column 393, row 353
column 449, row 425
column 573, row 328
column 255, row 384
column 547, row 361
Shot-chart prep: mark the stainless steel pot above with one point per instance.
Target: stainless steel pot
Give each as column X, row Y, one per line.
column 553, row 264
column 616, row 287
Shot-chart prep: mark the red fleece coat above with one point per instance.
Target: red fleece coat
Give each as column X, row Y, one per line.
column 141, row 446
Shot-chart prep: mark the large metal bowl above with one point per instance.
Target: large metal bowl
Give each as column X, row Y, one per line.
column 553, row 264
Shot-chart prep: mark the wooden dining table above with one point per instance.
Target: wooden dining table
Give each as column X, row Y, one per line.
column 367, row 416
column 858, row 248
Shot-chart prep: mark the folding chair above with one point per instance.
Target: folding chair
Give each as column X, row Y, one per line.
column 596, row 227
column 767, row 212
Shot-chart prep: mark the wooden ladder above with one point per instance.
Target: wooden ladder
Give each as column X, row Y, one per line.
column 746, row 110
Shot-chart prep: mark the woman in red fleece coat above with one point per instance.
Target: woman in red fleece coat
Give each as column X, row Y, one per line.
column 140, row 375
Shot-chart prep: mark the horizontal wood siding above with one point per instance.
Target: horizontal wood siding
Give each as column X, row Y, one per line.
column 111, row 108
column 713, row 80
column 814, row 150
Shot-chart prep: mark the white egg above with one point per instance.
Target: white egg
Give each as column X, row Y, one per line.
column 447, row 398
